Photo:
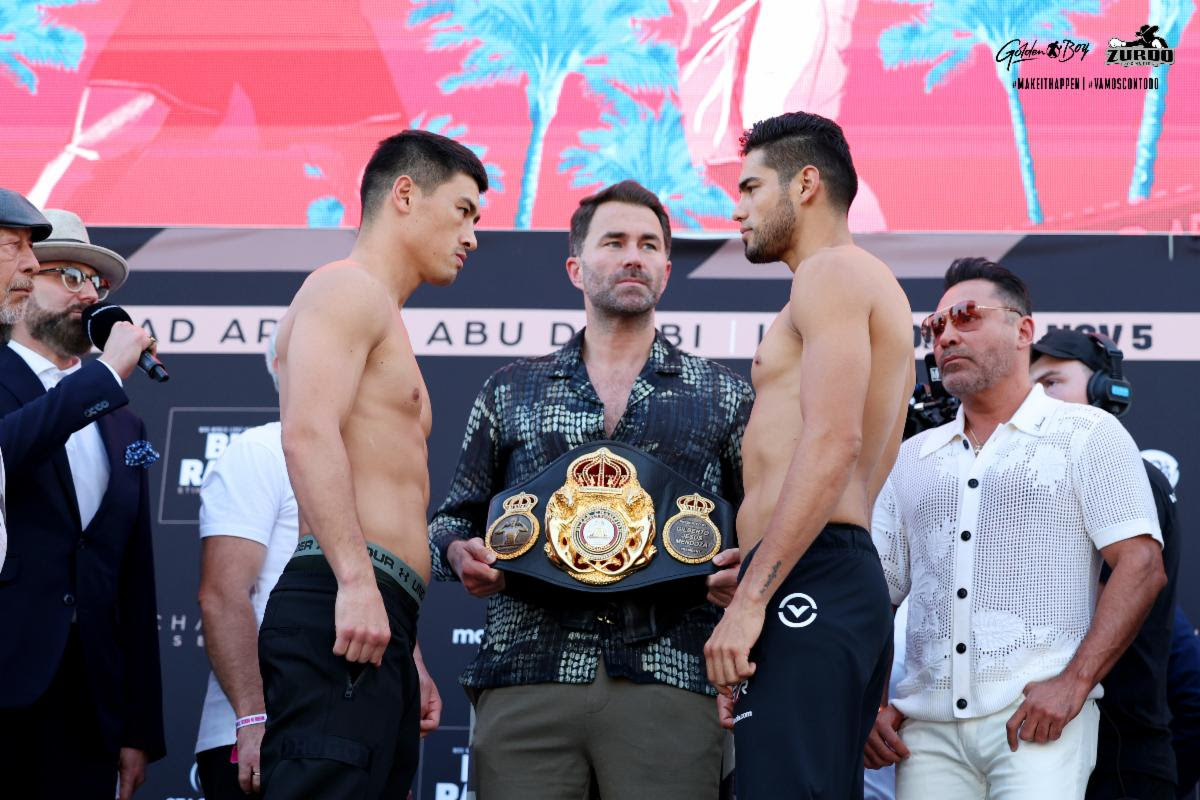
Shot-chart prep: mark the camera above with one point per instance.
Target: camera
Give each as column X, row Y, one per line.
column 930, row 405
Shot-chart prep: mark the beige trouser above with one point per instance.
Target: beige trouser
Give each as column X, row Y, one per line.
column 640, row 740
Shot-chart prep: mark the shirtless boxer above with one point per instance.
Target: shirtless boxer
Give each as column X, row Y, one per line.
column 806, row 641
column 336, row 646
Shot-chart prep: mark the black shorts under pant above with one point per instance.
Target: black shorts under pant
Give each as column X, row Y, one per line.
column 335, row 729
column 800, row 723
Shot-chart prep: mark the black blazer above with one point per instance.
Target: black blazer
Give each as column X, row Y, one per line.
column 55, row 568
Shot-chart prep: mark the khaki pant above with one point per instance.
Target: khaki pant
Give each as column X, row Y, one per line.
column 639, row 740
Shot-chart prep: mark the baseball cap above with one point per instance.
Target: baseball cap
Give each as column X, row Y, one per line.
column 1069, row 345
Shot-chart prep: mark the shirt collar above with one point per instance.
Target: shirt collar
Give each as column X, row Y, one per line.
column 665, row 358
column 1029, row 418
column 943, row 435
column 39, row 363
column 1032, row 415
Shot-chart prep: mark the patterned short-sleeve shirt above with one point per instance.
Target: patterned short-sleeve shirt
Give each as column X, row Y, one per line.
column 687, row 411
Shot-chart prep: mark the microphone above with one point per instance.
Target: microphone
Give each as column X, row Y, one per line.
column 98, row 321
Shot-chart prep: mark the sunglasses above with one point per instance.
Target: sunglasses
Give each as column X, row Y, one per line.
column 73, row 278
column 966, row 316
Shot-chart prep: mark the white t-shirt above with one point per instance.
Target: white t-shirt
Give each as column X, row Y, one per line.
column 999, row 553
column 248, row 495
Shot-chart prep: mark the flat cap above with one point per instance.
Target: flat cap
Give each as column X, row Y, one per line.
column 17, row 212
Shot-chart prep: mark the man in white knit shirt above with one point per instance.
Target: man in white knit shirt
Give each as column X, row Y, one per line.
column 994, row 526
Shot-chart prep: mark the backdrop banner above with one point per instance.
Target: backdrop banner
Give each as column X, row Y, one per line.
column 1047, row 116
column 213, row 296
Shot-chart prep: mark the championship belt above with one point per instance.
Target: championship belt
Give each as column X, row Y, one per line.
column 603, row 506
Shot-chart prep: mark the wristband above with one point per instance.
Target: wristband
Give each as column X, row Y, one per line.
column 253, row 719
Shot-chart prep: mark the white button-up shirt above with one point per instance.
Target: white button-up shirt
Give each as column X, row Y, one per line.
column 85, row 448
column 999, row 553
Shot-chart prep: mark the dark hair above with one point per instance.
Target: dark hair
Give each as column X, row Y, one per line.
column 1011, row 288
column 429, row 159
column 793, row 141
column 630, row 192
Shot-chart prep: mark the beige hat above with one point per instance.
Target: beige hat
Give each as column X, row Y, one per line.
column 69, row 241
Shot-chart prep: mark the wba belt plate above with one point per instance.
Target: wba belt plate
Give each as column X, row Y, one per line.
column 615, row 518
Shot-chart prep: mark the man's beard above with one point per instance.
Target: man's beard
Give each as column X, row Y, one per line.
column 608, row 298
column 13, row 311
column 990, row 368
column 772, row 237
column 57, row 330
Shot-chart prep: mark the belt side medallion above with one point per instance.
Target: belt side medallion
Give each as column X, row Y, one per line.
column 600, row 523
column 691, row 536
column 516, row 530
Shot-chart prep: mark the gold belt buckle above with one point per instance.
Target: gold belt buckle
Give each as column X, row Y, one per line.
column 600, row 523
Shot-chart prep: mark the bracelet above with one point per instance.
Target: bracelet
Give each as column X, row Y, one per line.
column 253, row 719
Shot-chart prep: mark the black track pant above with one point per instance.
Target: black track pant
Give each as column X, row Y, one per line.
column 335, row 729
column 801, row 722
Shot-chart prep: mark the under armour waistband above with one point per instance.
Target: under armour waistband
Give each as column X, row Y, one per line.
column 382, row 559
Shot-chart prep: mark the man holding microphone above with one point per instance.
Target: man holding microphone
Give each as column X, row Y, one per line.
column 80, row 687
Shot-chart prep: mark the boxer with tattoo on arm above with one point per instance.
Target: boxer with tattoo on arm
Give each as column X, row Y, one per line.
column 808, row 634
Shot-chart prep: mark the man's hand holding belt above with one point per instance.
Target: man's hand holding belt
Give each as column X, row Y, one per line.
column 472, row 562
column 721, row 585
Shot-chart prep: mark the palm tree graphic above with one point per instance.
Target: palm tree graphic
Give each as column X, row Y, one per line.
column 29, row 40
column 1171, row 17
column 660, row 161
column 544, row 42
column 445, row 125
column 951, row 29
column 328, row 211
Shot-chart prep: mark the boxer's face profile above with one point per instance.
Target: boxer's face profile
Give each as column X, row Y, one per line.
column 623, row 266
column 1062, row 378
column 973, row 359
column 444, row 227
column 765, row 211
column 17, row 264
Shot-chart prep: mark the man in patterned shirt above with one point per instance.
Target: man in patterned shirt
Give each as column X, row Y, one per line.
column 994, row 525
column 592, row 687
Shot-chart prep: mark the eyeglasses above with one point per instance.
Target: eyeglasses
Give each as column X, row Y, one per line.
column 965, row 316
column 73, row 278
